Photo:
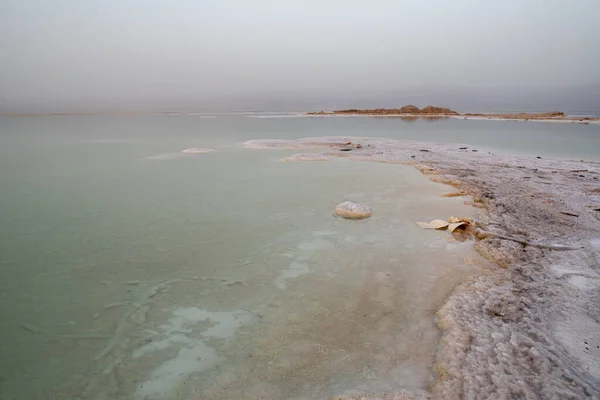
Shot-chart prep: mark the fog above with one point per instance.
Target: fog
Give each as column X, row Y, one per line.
column 73, row 55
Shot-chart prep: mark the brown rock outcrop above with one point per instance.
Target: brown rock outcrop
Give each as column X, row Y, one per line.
column 438, row 111
column 409, row 109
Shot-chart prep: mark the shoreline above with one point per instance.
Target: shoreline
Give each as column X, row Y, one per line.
column 531, row 327
column 405, row 116
column 474, row 117
column 413, row 112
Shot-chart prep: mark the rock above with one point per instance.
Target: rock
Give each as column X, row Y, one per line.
column 409, row 109
column 438, row 111
column 350, row 210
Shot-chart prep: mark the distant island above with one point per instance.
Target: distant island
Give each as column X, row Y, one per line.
column 406, row 110
column 411, row 111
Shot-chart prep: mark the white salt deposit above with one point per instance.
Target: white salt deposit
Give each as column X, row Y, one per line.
column 583, row 282
column 578, row 334
column 194, row 354
column 309, row 247
column 295, row 270
column 163, row 381
column 197, row 150
column 308, row 157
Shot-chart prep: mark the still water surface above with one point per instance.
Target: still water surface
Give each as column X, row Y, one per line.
column 131, row 270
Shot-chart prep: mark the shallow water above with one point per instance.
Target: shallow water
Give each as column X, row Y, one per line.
column 129, row 269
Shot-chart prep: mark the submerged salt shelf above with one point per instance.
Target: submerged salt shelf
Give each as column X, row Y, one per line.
column 307, row 306
column 197, row 150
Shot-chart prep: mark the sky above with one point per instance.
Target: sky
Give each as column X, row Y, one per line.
column 130, row 51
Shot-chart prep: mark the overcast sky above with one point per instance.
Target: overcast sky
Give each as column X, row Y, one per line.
column 85, row 49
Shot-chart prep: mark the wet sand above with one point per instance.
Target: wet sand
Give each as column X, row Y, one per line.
column 531, row 327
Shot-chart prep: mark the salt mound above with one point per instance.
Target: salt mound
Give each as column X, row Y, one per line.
column 350, row 210
column 196, row 150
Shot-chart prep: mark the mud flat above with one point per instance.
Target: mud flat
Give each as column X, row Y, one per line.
column 531, row 327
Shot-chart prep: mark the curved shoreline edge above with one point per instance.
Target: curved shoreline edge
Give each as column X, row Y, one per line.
column 531, row 327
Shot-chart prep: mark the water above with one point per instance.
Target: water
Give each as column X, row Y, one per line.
column 131, row 270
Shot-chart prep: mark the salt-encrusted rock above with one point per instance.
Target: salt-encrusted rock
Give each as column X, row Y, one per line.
column 352, row 210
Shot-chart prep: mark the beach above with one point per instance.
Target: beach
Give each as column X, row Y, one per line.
column 529, row 328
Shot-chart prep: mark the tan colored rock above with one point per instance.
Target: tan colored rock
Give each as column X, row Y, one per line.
column 350, row 210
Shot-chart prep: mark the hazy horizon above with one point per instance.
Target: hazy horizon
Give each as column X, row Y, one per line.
column 72, row 56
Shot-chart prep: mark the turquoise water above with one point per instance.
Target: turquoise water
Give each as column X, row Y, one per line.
column 131, row 270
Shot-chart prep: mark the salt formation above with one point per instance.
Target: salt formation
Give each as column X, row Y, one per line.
column 451, row 225
column 518, row 331
column 196, row 150
column 308, row 157
column 350, row 210
column 185, row 332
